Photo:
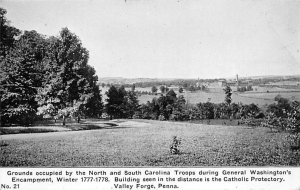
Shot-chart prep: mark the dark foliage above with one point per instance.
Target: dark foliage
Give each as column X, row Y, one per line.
column 45, row 76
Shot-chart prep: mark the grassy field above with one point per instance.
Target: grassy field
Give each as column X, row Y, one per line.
column 147, row 143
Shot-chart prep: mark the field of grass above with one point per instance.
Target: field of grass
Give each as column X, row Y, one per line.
column 147, row 143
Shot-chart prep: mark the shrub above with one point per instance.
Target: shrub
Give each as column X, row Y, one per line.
column 174, row 148
column 293, row 125
column 274, row 123
column 161, row 118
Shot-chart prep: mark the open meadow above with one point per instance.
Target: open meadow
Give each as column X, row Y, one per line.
column 147, row 143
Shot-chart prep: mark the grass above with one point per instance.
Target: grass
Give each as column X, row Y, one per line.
column 147, row 143
column 227, row 122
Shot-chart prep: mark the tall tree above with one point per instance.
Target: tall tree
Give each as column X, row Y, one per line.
column 162, row 89
column 71, row 88
column 7, row 34
column 132, row 103
column 116, row 102
column 21, row 75
column 228, row 93
column 154, row 89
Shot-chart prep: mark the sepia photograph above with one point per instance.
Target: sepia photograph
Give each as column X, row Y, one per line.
column 150, row 83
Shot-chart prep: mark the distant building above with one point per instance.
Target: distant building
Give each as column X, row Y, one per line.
column 235, row 83
column 222, row 82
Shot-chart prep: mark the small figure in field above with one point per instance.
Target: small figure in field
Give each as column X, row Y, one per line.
column 174, row 148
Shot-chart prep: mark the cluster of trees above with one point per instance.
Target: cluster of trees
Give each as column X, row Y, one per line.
column 44, row 76
column 121, row 103
column 145, row 93
column 284, row 116
column 173, row 107
column 185, row 83
column 244, row 88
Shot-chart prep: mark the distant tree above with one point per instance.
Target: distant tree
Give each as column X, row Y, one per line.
column 171, row 96
column 228, row 93
column 133, row 87
column 162, row 89
column 167, row 89
column 154, row 89
column 249, row 88
column 191, row 88
column 180, row 90
column 202, row 87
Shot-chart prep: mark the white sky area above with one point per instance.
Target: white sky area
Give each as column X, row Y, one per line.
column 174, row 38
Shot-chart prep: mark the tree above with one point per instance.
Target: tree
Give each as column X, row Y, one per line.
column 171, row 93
column 206, row 110
column 179, row 110
column 132, row 103
column 228, row 93
column 21, row 75
column 7, row 34
column 162, row 89
column 71, row 84
column 180, row 90
column 116, row 106
column 154, row 89
column 192, row 88
column 167, row 89
column 133, row 87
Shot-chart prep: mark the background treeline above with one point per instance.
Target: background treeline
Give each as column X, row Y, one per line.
column 45, row 77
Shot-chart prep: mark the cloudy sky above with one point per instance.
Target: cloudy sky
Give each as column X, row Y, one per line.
column 173, row 38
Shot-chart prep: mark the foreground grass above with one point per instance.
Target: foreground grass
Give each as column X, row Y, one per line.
column 146, row 143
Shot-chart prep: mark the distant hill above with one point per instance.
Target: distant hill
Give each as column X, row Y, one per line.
column 121, row 80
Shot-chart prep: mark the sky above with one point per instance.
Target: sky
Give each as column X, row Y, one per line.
column 173, row 38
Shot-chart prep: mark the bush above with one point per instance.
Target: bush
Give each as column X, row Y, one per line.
column 174, row 148
column 274, row 123
column 22, row 115
column 293, row 125
column 161, row 118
